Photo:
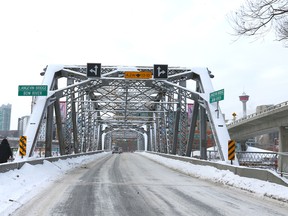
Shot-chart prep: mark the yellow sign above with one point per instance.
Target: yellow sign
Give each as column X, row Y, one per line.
column 231, row 149
column 138, row 75
column 22, row 145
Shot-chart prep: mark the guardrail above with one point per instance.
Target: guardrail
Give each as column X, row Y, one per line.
column 259, row 114
column 5, row 167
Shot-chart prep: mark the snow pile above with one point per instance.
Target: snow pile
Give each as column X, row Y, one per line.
column 19, row 186
column 226, row 177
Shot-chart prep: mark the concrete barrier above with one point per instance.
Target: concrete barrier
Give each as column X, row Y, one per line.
column 256, row 173
column 5, row 167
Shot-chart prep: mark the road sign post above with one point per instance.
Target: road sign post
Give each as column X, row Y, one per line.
column 217, row 96
column 32, row 90
column 231, row 150
column 22, row 146
column 138, row 75
column 160, row 71
column 93, row 70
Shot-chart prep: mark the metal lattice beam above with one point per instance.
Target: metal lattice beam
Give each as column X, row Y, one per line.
column 115, row 103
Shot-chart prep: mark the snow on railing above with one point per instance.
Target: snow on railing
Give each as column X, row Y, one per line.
column 259, row 114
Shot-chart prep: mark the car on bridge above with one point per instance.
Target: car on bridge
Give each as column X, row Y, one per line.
column 117, row 149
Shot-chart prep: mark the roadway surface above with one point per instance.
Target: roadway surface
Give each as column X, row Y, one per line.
column 130, row 184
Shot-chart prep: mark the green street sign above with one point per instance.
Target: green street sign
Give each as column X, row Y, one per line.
column 217, row 96
column 32, row 90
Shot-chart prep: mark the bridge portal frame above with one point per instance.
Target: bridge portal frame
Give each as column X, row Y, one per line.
column 113, row 100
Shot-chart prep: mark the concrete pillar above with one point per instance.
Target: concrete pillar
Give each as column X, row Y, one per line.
column 243, row 146
column 283, row 147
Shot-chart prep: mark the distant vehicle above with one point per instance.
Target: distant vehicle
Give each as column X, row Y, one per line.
column 120, row 150
column 117, row 150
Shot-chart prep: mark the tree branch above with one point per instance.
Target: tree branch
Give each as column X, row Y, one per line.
column 258, row 17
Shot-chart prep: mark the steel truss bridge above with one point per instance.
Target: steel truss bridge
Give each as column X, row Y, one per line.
column 100, row 110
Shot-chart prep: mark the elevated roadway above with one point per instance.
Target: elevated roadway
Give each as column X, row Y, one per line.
column 266, row 121
column 272, row 119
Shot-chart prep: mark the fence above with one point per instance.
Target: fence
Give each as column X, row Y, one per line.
column 267, row 160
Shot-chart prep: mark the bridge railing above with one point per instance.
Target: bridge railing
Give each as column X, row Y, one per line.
column 268, row 160
column 283, row 164
column 264, row 160
column 258, row 114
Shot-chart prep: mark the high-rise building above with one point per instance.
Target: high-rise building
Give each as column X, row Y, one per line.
column 22, row 125
column 5, row 117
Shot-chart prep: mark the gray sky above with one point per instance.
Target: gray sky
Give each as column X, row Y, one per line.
column 186, row 33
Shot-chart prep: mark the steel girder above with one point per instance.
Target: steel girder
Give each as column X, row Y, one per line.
column 68, row 123
column 121, row 99
column 163, row 127
column 182, row 98
column 113, row 102
column 170, row 119
column 140, row 142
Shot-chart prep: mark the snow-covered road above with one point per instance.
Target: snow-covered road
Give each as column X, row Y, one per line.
column 131, row 184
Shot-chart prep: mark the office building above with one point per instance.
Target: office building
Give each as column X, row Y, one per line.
column 5, row 117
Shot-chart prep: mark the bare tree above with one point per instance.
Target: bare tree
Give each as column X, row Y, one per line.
column 258, row 17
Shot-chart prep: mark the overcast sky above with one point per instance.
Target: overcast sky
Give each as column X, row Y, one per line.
column 187, row 33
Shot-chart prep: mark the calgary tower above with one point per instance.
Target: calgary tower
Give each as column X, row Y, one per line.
column 244, row 98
